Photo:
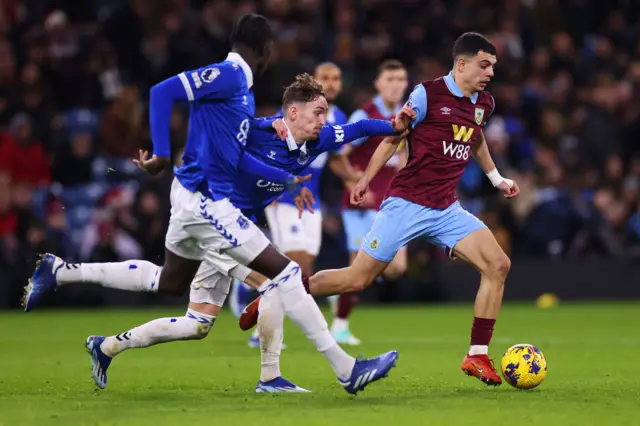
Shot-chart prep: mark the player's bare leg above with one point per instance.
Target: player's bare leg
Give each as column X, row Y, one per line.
column 352, row 279
column 346, row 302
column 304, row 259
column 482, row 251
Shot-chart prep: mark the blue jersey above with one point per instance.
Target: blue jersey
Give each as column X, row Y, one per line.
column 253, row 192
column 315, row 168
column 222, row 109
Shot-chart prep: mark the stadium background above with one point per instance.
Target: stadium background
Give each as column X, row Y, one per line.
column 74, row 82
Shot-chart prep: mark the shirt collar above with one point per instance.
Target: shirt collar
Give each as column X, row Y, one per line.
column 455, row 89
column 379, row 103
column 291, row 142
column 237, row 59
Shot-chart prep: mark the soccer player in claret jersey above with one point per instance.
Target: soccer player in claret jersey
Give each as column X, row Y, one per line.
column 300, row 237
column 391, row 85
column 447, row 131
column 204, row 219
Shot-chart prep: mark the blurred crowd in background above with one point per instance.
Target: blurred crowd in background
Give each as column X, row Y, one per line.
column 75, row 77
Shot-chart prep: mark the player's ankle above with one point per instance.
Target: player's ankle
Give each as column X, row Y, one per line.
column 339, row 324
column 478, row 350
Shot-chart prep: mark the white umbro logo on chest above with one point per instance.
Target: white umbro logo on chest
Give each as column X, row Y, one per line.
column 445, row 110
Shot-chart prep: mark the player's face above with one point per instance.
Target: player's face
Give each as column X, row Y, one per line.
column 478, row 70
column 330, row 77
column 391, row 85
column 310, row 117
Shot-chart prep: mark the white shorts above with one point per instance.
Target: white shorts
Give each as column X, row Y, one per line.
column 218, row 234
column 290, row 233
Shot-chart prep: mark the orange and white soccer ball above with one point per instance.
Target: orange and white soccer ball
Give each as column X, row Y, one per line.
column 523, row 366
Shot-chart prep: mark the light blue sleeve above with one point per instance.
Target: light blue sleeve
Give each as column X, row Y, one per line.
column 217, row 81
column 418, row 102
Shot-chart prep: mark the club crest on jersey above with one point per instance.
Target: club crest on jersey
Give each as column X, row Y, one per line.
column 243, row 222
column 304, row 157
column 479, row 116
column 374, row 244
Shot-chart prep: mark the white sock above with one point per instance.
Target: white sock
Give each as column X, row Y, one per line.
column 339, row 324
column 133, row 275
column 192, row 326
column 303, row 311
column 271, row 332
column 479, row 350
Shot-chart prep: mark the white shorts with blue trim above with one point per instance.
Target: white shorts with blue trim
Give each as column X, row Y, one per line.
column 357, row 223
column 216, row 233
column 400, row 221
column 289, row 232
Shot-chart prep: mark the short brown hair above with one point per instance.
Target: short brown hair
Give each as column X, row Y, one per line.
column 304, row 89
column 390, row 65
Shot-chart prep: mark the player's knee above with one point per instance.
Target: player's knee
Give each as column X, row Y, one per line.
column 499, row 266
column 395, row 270
column 358, row 284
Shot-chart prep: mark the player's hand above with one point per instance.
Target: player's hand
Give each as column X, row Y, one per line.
column 359, row 193
column 509, row 187
column 152, row 166
column 402, row 120
column 304, row 200
column 301, row 179
column 281, row 128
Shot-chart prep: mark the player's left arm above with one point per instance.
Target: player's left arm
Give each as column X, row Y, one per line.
column 292, row 183
column 480, row 151
column 333, row 137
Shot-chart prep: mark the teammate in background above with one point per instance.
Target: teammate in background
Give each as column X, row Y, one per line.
column 391, row 85
column 421, row 202
column 204, row 221
column 300, row 238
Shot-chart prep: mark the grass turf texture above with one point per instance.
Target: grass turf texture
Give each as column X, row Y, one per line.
column 591, row 349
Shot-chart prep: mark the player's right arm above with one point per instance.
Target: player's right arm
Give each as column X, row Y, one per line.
column 221, row 81
column 418, row 103
column 382, row 154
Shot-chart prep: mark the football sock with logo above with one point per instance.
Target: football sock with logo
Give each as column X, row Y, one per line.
column 193, row 326
column 481, row 333
column 305, row 313
column 132, row 275
column 271, row 332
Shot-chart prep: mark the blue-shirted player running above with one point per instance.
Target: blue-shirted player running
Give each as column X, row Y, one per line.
column 307, row 139
column 203, row 219
column 300, row 237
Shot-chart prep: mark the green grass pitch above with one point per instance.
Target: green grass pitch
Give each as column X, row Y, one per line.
column 592, row 351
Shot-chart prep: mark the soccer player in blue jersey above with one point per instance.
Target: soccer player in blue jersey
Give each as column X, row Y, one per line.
column 204, row 219
column 300, row 237
column 308, row 138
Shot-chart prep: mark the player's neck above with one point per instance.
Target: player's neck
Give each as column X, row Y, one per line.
column 293, row 131
column 465, row 91
column 390, row 105
column 248, row 56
